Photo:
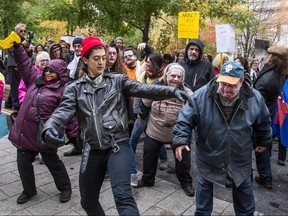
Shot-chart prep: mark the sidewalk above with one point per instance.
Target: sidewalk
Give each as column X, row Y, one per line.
column 165, row 198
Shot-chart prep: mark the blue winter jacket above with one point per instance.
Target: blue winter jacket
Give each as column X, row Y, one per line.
column 223, row 147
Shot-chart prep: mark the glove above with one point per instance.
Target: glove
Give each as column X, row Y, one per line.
column 53, row 138
column 72, row 141
column 182, row 96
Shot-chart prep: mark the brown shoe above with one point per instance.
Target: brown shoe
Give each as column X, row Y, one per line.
column 264, row 183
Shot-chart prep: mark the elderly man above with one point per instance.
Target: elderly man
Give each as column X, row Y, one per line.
column 225, row 113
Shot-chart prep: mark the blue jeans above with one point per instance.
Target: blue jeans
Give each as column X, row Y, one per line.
column 137, row 131
column 90, row 182
column 243, row 198
column 263, row 164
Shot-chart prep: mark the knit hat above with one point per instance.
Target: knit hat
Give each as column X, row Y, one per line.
column 231, row 72
column 77, row 40
column 280, row 51
column 90, row 42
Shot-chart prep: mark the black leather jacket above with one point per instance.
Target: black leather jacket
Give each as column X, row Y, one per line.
column 102, row 110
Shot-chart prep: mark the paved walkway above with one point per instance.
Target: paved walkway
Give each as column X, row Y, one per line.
column 165, row 198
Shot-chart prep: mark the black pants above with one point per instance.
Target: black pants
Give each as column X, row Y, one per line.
column 282, row 151
column 15, row 78
column 51, row 160
column 150, row 160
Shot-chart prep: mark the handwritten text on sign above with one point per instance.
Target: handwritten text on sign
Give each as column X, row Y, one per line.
column 188, row 24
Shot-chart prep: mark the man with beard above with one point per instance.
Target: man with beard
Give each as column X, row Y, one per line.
column 198, row 72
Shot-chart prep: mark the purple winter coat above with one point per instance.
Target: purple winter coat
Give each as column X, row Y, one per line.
column 24, row 131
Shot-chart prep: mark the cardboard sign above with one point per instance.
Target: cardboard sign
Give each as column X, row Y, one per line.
column 188, row 25
column 225, row 38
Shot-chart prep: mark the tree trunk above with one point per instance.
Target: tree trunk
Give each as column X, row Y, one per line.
column 145, row 30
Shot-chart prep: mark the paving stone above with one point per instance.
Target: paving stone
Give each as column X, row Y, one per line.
column 9, row 167
column 178, row 202
column 147, row 198
column 166, row 187
column 68, row 212
column 3, row 196
column 22, row 212
column 8, row 178
column 219, row 205
column 13, row 188
column 51, row 206
column 7, row 159
column 154, row 210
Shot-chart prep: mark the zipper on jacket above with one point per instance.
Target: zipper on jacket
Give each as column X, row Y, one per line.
column 94, row 108
column 107, row 98
column 195, row 79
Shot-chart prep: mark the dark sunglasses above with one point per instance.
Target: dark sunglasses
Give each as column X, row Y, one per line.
column 21, row 31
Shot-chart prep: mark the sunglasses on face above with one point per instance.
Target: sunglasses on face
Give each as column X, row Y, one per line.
column 21, row 31
column 128, row 56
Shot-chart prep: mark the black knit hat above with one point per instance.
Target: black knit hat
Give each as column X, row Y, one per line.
column 77, row 40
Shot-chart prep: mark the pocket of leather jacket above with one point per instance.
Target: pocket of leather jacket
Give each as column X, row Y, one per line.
column 109, row 123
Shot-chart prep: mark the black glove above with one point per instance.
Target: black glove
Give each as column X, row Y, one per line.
column 182, row 96
column 53, row 138
column 72, row 141
column 16, row 45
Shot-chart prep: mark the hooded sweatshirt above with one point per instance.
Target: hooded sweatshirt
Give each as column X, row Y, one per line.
column 197, row 73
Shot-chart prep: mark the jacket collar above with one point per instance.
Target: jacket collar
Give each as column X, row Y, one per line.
column 245, row 92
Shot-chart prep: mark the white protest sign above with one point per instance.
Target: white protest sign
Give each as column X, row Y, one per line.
column 225, row 38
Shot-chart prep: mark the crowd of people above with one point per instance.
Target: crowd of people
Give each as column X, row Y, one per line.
column 104, row 96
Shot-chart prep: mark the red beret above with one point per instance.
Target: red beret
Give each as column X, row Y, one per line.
column 90, row 42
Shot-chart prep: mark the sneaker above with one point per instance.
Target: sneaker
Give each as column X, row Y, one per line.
column 264, row 183
column 24, row 197
column 134, row 180
column 168, row 147
column 281, row 162
column 141, row 184
column 65, row 196
column 189, row 191
column 171, row 170
column 163, row 165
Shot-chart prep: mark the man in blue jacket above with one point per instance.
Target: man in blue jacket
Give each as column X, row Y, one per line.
column 225, row 113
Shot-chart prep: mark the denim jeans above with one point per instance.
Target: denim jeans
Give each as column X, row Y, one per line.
column 243, row 198
column 137, row 131
column 263, row 164
column 90, row 182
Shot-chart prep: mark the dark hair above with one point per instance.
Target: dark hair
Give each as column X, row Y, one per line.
column 118, row 65
column 168, row 57
column 244, row 63
column 157, row 62
column 280, row 64
column 38, row 45
column 87, row 55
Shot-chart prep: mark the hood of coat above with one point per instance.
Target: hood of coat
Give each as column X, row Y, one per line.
column 198, row 43
column 60, row 67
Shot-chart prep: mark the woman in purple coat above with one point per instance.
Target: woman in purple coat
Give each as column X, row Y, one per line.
column 43, row 96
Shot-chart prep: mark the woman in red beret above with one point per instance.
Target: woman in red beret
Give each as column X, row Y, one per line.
column 100, row 102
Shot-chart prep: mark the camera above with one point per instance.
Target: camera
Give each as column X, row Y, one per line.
column 30, row 36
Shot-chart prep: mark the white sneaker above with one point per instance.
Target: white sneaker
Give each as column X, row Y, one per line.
column 134, row 180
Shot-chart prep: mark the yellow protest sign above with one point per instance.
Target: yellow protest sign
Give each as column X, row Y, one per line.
column 188, row 24
column 9, row 41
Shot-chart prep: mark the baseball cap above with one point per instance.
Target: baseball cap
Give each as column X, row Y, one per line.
column 231, row 72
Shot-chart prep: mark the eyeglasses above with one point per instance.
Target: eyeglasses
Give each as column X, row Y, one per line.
column 128, row 56
column 44, row 60
column 21, row 31
column 173, row 76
